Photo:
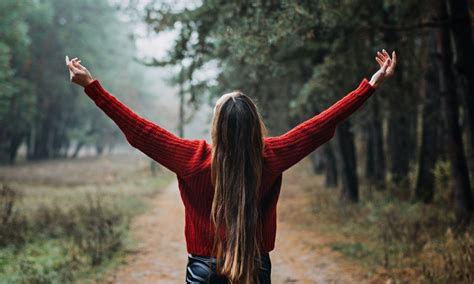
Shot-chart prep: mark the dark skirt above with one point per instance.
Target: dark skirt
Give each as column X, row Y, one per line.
column 202, row 269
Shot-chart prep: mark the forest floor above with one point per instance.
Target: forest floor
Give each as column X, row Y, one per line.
column 301, row 255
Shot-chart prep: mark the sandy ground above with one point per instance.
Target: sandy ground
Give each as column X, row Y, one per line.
column 300, row 256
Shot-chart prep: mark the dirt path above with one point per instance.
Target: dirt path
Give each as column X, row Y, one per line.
column 301, row 255
column 161, row 254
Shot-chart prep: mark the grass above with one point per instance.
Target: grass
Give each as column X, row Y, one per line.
column 68, row 221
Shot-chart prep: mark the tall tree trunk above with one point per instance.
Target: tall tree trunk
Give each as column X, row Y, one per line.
column 397, row 145
column 347, row 162
column 428, row 156
column 15, row 143
column 332, row 177
column 376, row 163
column 464, row 62
column 181, row 103
column 462, row 194
column 99, row 149
column 370, row 159
column 78, row 148
column 317, row 160
column 399, row 132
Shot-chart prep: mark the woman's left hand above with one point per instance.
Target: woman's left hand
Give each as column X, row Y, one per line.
column 387, row 68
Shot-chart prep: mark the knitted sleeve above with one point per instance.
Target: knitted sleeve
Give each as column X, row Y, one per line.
column 181, row 156
column 284, row 151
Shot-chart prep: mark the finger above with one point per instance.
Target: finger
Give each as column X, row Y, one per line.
column 381, row 56
column 385, row 65
column 73, row 69
column 391, row 68
column 67, row 60
column 74, row 59
column 385, row 53
column 380, row 62
column 79, row 66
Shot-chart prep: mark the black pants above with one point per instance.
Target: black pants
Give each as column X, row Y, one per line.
column 202, row 269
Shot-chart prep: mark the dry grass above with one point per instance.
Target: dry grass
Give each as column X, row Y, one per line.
column 393, row 238
column 62, row 220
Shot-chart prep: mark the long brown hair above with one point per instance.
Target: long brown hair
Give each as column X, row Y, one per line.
column 236, row 169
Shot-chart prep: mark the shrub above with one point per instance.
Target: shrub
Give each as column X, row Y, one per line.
column 13, row 226
column 98, row 230
column 449, row 261
column 51, row 221
column 45, row 262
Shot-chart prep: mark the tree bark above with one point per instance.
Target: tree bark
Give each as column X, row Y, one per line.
column 375, row 163
column 370, row 159
column 317, row 160
column 347, row 162
column 464, row 61
column 428, row 156
column 397, row 145
column 181, row 103
column 78, row 148
column 332, row 176
column 462, row 191
column 99, row 149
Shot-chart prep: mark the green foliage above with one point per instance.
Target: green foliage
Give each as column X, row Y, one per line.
column 55, row 244
column 38, row 104
column 43, row 262
column 354, row 250
column 298, row 54
column 15, row 94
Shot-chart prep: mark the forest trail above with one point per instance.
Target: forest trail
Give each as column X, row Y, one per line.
column 300, row 256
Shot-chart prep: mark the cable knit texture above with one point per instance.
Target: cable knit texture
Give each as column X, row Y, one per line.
column 190, row 159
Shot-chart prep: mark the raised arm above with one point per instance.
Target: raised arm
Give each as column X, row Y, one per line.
column 181, row 156
column 284, row 151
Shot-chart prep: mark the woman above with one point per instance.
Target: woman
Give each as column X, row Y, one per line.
column 230, row 188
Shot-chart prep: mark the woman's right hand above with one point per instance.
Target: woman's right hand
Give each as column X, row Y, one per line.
column 77, row 73
column 387, row 67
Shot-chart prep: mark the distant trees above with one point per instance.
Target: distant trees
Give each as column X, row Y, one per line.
column 449, row 91
column 38, row 104
column 298, row 57
column 15, row 92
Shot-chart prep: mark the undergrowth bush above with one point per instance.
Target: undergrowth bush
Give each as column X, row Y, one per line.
column 50, row 242
column 99, row 230
column 13, row 225
column 450, row 260
column 45, row 262
column 398, row 238
column 51, row 221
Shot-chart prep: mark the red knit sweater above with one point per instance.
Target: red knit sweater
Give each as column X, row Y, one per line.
column 190, row 159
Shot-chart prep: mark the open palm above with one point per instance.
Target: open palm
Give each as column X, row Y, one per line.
column 387, row 67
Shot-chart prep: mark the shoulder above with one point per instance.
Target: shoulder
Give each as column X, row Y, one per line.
column 201, row 157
